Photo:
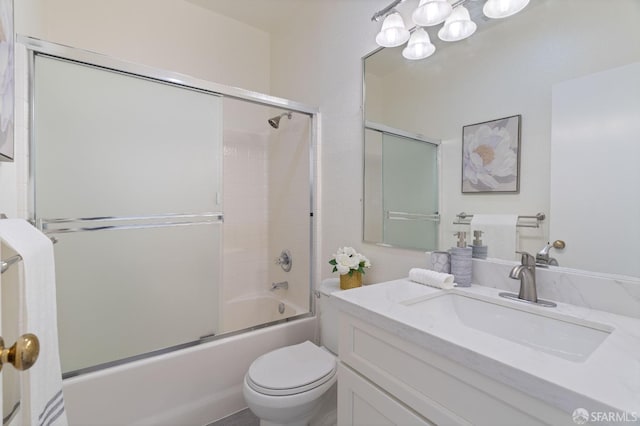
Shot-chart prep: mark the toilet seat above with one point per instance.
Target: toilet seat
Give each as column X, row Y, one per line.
column 291, row 370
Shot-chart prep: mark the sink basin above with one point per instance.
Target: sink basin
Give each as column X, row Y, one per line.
column 556, row 334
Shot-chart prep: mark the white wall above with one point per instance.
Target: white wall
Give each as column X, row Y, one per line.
column 166, row 34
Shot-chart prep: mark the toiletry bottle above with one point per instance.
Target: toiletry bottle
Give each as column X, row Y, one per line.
column 478, row 251
column 461, row 263
column 441, row 262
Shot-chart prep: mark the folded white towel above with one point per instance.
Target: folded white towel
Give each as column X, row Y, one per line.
column 431, row 278
column 41, row 386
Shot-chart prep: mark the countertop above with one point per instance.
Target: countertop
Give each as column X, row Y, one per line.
column 608, row 380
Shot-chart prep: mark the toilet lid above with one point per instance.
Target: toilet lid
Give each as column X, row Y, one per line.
column 291, row 369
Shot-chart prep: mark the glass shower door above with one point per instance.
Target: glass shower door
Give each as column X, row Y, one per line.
column 127, row 176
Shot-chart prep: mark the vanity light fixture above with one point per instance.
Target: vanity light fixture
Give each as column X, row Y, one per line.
column 457, row 23
column 419, row 46
column 393, row 32
column 497, row 9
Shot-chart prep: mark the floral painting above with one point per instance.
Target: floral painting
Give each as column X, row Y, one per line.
column 6, row 80
column 491, row 156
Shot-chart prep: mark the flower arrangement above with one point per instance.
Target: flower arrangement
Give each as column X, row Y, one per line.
column 348, row 261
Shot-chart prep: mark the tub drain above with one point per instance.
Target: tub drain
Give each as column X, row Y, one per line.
column 281, row 308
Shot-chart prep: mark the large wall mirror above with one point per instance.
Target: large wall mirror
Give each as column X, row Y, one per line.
column 571, row 70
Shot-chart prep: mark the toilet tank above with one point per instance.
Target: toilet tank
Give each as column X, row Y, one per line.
column 328, row 314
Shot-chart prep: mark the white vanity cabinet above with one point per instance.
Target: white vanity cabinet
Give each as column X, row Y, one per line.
column 387, row 380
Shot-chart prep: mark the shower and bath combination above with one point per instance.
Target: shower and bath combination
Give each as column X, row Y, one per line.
column 275, row 121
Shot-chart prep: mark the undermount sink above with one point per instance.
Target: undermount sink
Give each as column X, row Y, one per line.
column 556, row 334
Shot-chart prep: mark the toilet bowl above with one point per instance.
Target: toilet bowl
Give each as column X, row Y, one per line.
column 287, row 385
column 291, row 385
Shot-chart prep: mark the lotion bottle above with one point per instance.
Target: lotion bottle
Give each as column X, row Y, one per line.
column 478, row 251
column 461, row 263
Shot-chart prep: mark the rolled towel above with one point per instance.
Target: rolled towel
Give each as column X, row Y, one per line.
column 431, row 278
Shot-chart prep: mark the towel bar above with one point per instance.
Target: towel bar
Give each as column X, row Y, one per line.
column 6, row 264
column 394, row 215
column 465, row 219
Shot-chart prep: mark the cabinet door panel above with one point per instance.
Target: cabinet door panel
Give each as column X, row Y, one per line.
column 362, row 403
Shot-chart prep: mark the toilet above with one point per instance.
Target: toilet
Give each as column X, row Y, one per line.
column 296, row 385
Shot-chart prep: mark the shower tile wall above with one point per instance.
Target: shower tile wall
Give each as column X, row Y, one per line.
column 289, row 204
column 245, row 269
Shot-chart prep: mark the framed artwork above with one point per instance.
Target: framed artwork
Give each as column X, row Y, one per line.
column 491, row 156
column 6, row 80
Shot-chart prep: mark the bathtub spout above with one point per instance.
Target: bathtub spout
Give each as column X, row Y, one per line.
column 282, row 284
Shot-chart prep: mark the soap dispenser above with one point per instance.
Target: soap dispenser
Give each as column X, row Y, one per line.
column 461, row 263
column 478, row 251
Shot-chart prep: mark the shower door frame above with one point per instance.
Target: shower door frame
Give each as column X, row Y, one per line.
column 26, row 50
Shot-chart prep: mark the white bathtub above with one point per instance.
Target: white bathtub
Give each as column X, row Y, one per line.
column 192, row 386
column 250, row 311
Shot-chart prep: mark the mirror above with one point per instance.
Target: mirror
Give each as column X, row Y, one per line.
column 401, row 188
column 569, row 70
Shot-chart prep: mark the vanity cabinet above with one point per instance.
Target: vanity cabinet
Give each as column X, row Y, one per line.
column 385, row 379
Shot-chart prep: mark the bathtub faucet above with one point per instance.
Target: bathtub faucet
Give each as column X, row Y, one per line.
column 281, row 284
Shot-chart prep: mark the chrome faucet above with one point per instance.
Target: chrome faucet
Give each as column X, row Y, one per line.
column 542, row 257
column 526, row 273
column 281, row 284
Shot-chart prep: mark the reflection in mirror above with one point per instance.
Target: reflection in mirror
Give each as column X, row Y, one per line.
column 575, row 150
column 400, row 188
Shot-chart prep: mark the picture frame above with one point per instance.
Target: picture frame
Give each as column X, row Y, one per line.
column 7, row 77
column 491, row 156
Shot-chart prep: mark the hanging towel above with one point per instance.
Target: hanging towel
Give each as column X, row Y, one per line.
column 499, row 234
column 42, row 402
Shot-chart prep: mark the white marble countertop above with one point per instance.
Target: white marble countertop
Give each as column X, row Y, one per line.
column 608, row 380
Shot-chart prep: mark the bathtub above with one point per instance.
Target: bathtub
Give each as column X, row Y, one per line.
column 192, row 386
column 248, row 311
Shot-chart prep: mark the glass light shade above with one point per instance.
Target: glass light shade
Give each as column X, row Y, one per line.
column 431, row 12
column 457, row 26
column 496, row 9
column 419, row 46
column 393, row 32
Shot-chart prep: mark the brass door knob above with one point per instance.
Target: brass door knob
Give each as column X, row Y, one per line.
column 23, row 354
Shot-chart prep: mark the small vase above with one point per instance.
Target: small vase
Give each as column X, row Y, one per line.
column 351, row 281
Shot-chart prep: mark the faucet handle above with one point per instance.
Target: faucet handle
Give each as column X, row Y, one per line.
column 527, row 259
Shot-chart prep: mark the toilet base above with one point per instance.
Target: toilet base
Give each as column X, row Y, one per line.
column 324, row 414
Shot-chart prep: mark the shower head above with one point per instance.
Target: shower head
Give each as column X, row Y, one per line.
column 275, row 121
